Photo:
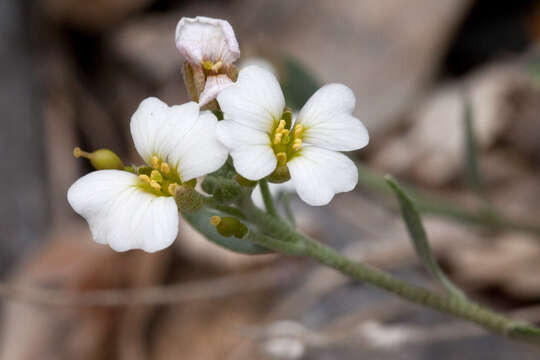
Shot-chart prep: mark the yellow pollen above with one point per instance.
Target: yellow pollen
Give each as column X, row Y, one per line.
column 172, row 188
column 165, row 168
column 296, row 144
column 298, row 130
column 285, row 132
column 217, row 66
column 207, row 65
column 144, row 178
column 281, row 158
column 277, row 138
column 156, row 176
column 281, row 126
column 154, row 184
column 215, row 220
column 155, row 162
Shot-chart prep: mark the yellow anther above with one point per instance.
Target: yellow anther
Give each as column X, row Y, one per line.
column 172, row 188
column 207, row 65
column 215, row 220
column 154, row 184
column 277, row 138
column 281, row 158
column 217, row 66
column 77, row 152
column 298, row 130
column 156, row 176
column 296, row 144
column 155, row 162
column 281, row 126
column 144, row 178
column 285, row 132
column 165, row 168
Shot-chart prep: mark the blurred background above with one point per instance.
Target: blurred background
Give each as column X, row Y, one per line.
column 73, row 72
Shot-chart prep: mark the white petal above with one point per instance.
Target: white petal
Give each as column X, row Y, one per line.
column 213, row 86
column 204, row 38
column 319, row 174
column 121, row 214
column 199, row 152
column 252, row 154
column 157, row 128
column 275, row 190
column 328, row 119
column 255, row 100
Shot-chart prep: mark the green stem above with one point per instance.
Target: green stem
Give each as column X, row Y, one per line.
column 288, row 210
column 281, row 237
column 267, row 198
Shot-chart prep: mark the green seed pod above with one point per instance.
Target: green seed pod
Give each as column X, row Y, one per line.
column 229, row 226
column 102, row 159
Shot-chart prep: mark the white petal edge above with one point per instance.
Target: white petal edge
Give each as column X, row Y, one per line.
column 200, row 152
column 327, row 117
column 255, row 100
column 122, row 215
column 204, row 38
column 157, row 129
column 318, row 174
column 213, row 86
column 252, row 154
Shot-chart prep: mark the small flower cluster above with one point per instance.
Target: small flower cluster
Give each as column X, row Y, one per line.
column 136, row 207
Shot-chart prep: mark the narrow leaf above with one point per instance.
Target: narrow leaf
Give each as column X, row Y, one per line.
column 298, row 83
column 472, row 171
column 418, row 236
column 201, row 221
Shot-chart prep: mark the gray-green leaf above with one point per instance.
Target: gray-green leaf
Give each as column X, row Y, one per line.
column 418, row 236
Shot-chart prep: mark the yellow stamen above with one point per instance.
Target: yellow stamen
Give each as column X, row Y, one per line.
column 217, row 66
column 285, row 132
column 156, row 176
column 281, row 158
column 145, row 178
column 215, row 220
column 298, row 130
column 154, row 184
column 207, row 65
column 77, row 152
column 165, row 168
column 296, row 144
column 277, row 138
column 155, row 162
column 172, row 188
column 281, row 126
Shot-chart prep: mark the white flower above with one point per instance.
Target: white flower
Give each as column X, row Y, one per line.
column 260, row 139
column 138, row 211
column 210, row 47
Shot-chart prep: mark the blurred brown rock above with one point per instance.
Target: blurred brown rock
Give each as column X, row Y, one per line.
column 92, row 15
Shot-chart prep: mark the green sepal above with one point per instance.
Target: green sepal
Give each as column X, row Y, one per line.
column 223, row 185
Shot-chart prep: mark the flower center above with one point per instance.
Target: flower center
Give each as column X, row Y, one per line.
column 286, row 139
column 159, row 179
column 212, row 68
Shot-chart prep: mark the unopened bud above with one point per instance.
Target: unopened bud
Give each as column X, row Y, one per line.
column 229, row 226
column 188, row 199
column 101, row 159
column 245, row 182
column 280, row 175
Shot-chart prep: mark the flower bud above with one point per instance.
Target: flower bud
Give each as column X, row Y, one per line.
column 280, row 175
column 229, row 226
column 188, row 199
column 101, row 159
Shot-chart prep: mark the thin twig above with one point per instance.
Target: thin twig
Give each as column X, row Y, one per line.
column 158, row 295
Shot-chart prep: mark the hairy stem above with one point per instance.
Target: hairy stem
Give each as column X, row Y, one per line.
column 267, row 198
column 281, row 237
